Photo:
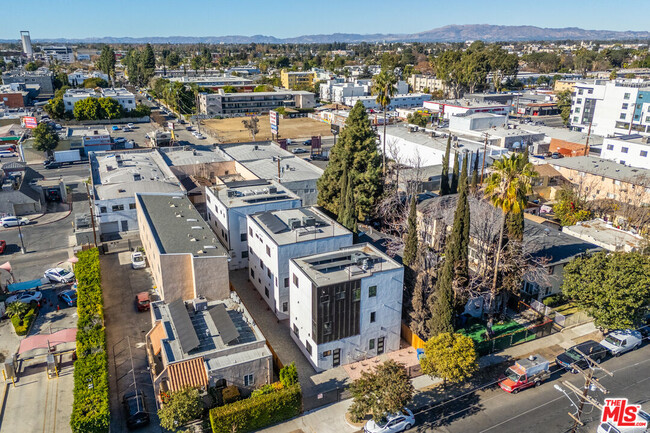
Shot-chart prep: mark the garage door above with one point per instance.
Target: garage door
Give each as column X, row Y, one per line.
column 112, row 227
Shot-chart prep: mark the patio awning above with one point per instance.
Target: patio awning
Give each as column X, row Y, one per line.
column 26, row 285
column 43, row 341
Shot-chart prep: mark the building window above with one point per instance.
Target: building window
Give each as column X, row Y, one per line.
column 243, row 237
column 285, row 307
column 244, row 254
column 644, row 153
column 268, row 273
column 324, row 299
column 590, row 91
column 102, row 209
column 624, row 106
column 626, row 96
column 286, row 282
column 356, row 295
column 371, row 344
column 327, row 328
column 295, row 330
column 250, row 231
column 261, row 264
column 295, row 280
column 268, row 251
column 372, row 317
column 622, row 116
column 327, row 353
column 579, row 101
column 624, row 149
column 372, row 291
column 610, row 147
column 580, row 91
column 117, row 207
column 131, row 206
column 266, row 292
column 249, row 380
column 252, row 274
column 308, row 347
column 577, row 110
column 575, row 119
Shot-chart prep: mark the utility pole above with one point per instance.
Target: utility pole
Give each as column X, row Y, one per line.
column 588, row 135
column 484, row 156
column 92, row 214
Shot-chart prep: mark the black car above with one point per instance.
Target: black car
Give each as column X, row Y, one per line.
column 571, row 356
column 135, row 410
column 51, row 164
column 319, row 158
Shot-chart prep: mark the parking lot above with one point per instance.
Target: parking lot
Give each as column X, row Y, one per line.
column 125, row 335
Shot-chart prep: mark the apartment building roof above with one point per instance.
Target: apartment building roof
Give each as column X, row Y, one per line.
column 251, row 192
column 349, row 263
column 122, row 174
column 178, row 227
column 563, row 134
column 605, row 168
column 243, row 152
column 291, row 226
column 425, row 139
column 186, row 155
column 292, row 169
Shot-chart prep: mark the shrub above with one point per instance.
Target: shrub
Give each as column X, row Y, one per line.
column 181, row 407
column 289, row 375
column 553, row 300
column 23, row 322
column 90, row 408
column 230, row 394
column 258, row 412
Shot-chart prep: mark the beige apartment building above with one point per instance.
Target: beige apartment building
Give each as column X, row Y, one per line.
column 186, row 258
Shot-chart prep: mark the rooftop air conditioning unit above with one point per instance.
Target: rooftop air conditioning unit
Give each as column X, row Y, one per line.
column 200, row 304
column 273, row 190
column 293, row 223
column 309, row 221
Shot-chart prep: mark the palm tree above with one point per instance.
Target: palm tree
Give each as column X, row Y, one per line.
column 384, row 88
column 16, row 309
column 507, row 188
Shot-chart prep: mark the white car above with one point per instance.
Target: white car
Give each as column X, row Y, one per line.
column 619, row 342
column 11, row 221
column 130, row 125
column 398, row 422
column 59, row 275
column 25, row 297
column 137, row 260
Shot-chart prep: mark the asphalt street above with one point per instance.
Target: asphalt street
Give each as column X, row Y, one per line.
column 543, row 409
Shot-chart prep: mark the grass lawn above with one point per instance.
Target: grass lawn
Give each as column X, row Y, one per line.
column 477, row 330
column 566, row 309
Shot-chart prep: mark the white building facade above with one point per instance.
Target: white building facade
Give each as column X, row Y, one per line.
column 125, row 98
column 346, row 305
column 276, row 237
column 629, row 150
column 396, row 101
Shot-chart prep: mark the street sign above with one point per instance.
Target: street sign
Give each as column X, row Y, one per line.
column 170, row 125
column 29, row 122
column 274, row 118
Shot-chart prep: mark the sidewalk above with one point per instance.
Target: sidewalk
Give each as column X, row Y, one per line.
column 332, row 418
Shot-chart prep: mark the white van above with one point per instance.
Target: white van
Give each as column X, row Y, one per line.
column 6, row 154
column 619, row 342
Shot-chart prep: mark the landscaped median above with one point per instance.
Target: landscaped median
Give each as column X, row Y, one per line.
column 90, row 409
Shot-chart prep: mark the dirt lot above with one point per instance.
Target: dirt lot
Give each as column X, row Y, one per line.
column 232, row 130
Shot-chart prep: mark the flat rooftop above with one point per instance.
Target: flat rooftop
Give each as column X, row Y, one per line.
column 223, row 325
column 291, row 226
column 469, row 103
column 564, row 134
column 251, row 192
column 178, row 227
column 243, row 152
column 605, row 235
column 292, row 169
column 349, row 263
column 216, row 80
column 632, row 138
column 425, row 139
column 122, row 174
column 87, row 131
column 605, row 168
column 190, row 155
column 117, row 92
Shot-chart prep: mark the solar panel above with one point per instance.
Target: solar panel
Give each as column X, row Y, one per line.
column 186, row 334
column 245, row 183
column 222, row 321
column 273, row 223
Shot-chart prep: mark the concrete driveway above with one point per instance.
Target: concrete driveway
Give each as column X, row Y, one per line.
column 120, row 284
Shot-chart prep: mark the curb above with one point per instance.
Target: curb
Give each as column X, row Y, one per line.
column 42, row 224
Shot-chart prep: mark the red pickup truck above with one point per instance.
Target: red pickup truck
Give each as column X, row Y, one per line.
column 528, row 372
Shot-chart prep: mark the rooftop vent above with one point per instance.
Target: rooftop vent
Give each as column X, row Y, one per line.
column 193, row 220
column 197, row 228
column 293, row 223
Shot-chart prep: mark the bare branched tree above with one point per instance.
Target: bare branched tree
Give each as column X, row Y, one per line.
column 252, row 125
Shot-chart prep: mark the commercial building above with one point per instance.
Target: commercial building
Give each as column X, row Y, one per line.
column 396, row 101
column 41, row 77
column 14, row 95
column 61, row 54
column 275, row 237
column 117, row 176
column 228, row 204
column 337, row 90
column 27, row 43
column 345, row 305
column 217, row 82
column 446, row 109
column 204, row 345
column 268, row 161
column 426, row 83
column 89, row 139
column 125, row 98
column 629, row 150
column 564, row 141
column 564, row 85
column 291, row 80
column 187, row 260
column 240, row 104
column 611, row 107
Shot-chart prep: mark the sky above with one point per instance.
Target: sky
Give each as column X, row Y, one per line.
column 290, row 18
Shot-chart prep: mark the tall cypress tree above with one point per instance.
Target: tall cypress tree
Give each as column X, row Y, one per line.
column 344, row 189
column 444, row 179
column 475, row 173
column 411, row 244
column 356, row 148
column 454, row 175
column 349, row 217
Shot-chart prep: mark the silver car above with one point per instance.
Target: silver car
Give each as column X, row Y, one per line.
column 12, row 221
column 393, row 423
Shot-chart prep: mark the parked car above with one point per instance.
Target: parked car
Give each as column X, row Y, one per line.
column 126, row 129
column 49, row 165
column 138, row 260
column 143, row 301
column 619, row 342
column 135, row 410
column 7, row 154
column 130, row 125
column 556, row 155
column 12, row 221
column 525, row 373
column 120, row 140
column 571, row 357
column 320, row 158
column 3, row 247
column 59, row 275
column 398, row 422
column 299, row 150
column 115, row 128
column 25, row 297
column 69, row 297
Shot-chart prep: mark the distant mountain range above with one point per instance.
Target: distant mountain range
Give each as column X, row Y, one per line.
column 451, row 33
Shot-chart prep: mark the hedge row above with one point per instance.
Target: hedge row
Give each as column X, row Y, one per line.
column 257, row 412
column 22, row 323
column 90, row 409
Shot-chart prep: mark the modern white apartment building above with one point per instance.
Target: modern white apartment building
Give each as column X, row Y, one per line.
column 629, row 150
column 337, row 90
column 396, row 101
column 229, row 203
column 125, row 98
column 345, row 305
column 611, row 107
column 217, row 82
column 77, row 77
column 448, row 108
column 275, row 237
column 60, row 54
column 241, row 104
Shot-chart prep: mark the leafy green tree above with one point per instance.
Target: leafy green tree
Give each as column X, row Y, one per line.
column 444, row 179
column 451, row 357
column 229, row 89
column 55, row 108
column 263, row 88
column 384, row 88
column 164, row 54
column 149, row 60
column 613, row 288
column 355, row 149
column 195, row 64
column 564, row 105
column 570, row 208
column 173, row 59
column 417, row 119
column 411, row 244
column 182, row 407
column 87, row 109
column 91, row 83
column 348, row 217
column 454, row 175
column 106, row 62
column 59, row 80
column 420, row 311
column 140, row 110
column 17, row 309
column 110, row 108
column 385, row 390
column 31, row 66
column 289, row 375
column 46, row 138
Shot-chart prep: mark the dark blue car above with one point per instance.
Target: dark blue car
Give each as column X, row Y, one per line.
column 69, row 297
